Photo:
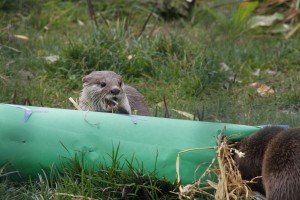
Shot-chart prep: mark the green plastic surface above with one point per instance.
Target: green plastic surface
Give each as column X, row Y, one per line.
column 42, row 140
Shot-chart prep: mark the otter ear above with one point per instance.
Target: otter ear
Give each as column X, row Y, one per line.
column 86, row 79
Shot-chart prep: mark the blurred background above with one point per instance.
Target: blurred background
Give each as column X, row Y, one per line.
column 227, row 61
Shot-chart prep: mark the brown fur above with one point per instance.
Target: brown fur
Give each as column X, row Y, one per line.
column 254, row 147
column 100, row 87
column 274, row 153
column 281, row 166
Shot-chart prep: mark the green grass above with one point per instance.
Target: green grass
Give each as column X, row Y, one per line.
column 119, row 181
column 177, row 60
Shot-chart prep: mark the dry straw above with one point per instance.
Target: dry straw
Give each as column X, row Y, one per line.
column 229, row 183
column 75, row 103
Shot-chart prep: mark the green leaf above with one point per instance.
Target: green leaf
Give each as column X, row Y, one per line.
column 264, row 20
column 244, row 11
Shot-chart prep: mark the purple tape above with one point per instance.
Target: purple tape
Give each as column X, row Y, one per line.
column 135, row 119
column 278, row 125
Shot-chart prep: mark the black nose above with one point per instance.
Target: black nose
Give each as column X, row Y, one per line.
column 115, row 91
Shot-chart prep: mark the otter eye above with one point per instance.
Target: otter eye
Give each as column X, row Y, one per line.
column 120, row 83
column 102, row 84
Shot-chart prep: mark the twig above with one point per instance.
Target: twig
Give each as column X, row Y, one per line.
column 27, row 101
column 14, row 97
column 91, row 12
column 104, row 19
column 167, row 114
column 75, row 104
column 293, row 31
column 146, row 22
column 11, row 48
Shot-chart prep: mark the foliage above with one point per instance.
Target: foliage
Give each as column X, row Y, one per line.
column 244, row 11
column 279, row 16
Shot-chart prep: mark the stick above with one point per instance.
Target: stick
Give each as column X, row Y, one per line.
column 91, row 12
column 146, row 22
column 74, row 103
column 167, row 115
column 293, row 31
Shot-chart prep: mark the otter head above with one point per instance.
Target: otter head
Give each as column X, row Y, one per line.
column 103, row 91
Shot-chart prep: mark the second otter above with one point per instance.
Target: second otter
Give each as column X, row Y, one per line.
column 274, row 154
column 104, row 91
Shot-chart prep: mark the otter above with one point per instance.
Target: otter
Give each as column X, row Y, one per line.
column 281, row 166
column 254, row 147
column 104, row 91
column 274, row 154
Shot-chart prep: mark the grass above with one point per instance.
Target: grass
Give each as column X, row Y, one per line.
column 75, row 180
column 178, row 60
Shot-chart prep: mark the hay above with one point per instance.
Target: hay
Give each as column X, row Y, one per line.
column 75, row 103
column 229, row 183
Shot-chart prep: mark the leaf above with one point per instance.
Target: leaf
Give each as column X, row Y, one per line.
column 80, row 23
column 264, row 20
column 262, row 89
column 281, row 28
column 52, row 58
column 186, row 114
column 244, row 11
column 21, row 37
column 224, row 67
column 265, row 90
column 257, row 72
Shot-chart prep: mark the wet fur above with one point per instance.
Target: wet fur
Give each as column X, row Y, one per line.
column 272, row 153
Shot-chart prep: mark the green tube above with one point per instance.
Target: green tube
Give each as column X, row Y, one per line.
column 35, row 138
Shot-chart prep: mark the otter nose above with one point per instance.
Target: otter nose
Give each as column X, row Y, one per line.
column 115, row 91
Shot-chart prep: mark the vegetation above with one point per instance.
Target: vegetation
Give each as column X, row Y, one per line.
column 206, row 62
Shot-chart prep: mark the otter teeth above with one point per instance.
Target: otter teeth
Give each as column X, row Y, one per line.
column 116, row 103
column 111, row 103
